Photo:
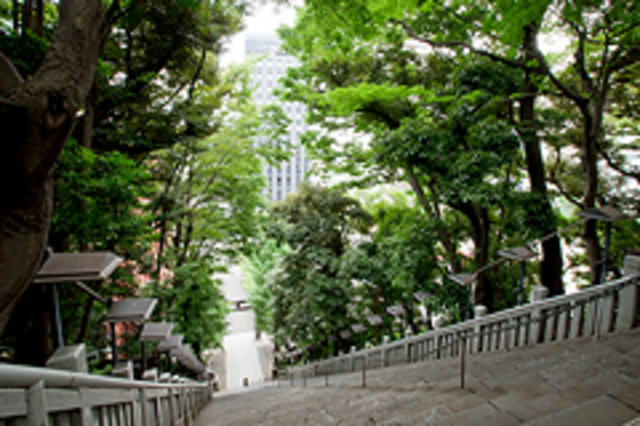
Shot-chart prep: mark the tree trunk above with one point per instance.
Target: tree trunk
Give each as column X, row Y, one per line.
column 480, row 226
column 551, row 265
column 88, row 119
column 86, row 317
column 590, row 164
column 443, row 234
column 38, row 25
column 33, row 319
column 36, row 126
column 591, row 101
column 27, row 15
column 16, row 16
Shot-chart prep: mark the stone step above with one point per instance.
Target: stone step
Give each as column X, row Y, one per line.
column 581, row 382
column 595, row 412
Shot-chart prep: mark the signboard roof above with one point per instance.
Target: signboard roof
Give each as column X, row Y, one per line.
column 463, row 279
column 69, row 267
column 131, row 310
column 170, row 343
column 606, row 213
column 518, row 253
column 156, row 331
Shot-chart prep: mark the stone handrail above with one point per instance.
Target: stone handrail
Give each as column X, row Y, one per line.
column 46, row 396
column 592, row 312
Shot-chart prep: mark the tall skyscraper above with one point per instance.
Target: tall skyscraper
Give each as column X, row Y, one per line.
column 273, row 65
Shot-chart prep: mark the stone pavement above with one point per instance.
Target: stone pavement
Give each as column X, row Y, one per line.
column 582, row 382
column 244, row 356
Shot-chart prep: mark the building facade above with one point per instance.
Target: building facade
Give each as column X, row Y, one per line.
column 287, row 176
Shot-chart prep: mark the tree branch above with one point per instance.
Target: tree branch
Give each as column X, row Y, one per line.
column 373, row 109
column 564, row 193
column 454, row 44
column 196, row 75
column 552, row 179
column 580, row 100
column 622, row 60
column 579, row 65
column 617, row 167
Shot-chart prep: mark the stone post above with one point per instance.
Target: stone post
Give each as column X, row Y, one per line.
column 70, row 358
column 479, row 311
column 628, row 296
column 385, row 350
column 352, row 354
column 538, row 294
column 150, row 375
column 408, row 346
column 123, row 370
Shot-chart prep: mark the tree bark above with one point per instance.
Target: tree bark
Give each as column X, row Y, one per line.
column 590, row 162
column 480, row 226
column 30, row 329
column 27, row 15
column 38, row 25
column 36, row 126
column 443, row 234
column 551, row 265
column 86, row 317
column 16, row 16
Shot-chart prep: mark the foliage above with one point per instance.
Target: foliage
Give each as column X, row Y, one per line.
column 585, row 79
column 164, row 153
column 308, row 291
column 159, row 54
column 209, row 188
column 99, row 201
column 437, row 94
column 263, row 260
column 443, row 127
column 196, row 305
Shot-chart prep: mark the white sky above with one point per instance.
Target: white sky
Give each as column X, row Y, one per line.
column 266, row 17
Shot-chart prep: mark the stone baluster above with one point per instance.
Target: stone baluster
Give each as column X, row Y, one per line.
column 476, row 341
column 538, row 322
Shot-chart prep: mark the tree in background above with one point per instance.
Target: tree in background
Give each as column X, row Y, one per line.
column 602, row 55
column 196, row 304
column 334, row 41
column 442, row 127
column 157, row 86
column 262, row 261
column 405, row 257
column 206, row 209
column 308, row 290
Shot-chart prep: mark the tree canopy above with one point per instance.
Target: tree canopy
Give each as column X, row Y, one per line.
column 443, row 132
column 161, row 166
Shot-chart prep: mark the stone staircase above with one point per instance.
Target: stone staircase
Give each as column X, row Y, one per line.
column 583, row 382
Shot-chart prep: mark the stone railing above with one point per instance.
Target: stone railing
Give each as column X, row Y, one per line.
column 47, row 396
column 592, row 312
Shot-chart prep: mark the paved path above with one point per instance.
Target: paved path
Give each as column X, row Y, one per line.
column 577, row 383
column 242, row 351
